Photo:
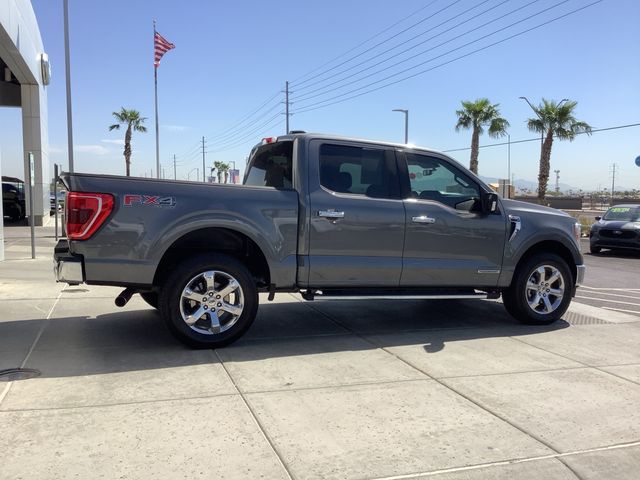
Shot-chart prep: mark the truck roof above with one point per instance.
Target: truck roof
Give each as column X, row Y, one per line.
column 327, row 136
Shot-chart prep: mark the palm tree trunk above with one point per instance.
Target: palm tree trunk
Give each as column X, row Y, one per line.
column 127, row 150
column 545, row 166
column 226, row 177
column 475, row 146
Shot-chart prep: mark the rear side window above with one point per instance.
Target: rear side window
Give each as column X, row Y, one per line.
column 359, row 170
column 271, row 165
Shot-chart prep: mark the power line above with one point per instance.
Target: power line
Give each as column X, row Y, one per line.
column 537, row 139
column 226, row 145
column 435, row 57
column 245, row 139
column 328, row 102
column 230, row 135
column 404, row 43
column 365, row 41
column 245, row 117
column 308, row 96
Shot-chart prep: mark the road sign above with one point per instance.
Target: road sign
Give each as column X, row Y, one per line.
column 638, row 161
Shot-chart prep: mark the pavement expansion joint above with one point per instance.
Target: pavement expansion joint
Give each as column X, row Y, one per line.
column 558, row 456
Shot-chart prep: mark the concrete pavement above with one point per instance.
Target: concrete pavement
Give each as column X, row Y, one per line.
column 346, row 390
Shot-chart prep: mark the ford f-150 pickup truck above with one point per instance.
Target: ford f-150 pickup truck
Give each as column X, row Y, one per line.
column 322, row 215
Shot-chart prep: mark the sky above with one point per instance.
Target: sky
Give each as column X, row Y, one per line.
column 231, row 57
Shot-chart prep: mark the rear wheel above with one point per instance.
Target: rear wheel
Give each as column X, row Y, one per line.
column 540, row 291
column 209, row 301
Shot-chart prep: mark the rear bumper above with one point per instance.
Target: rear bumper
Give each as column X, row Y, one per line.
column 67, row 267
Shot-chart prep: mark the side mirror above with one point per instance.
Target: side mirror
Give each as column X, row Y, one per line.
column 489, row 202
column 598, row 218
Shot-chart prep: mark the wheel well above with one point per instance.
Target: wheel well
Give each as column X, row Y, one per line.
column 555, row 247
column 222, row 240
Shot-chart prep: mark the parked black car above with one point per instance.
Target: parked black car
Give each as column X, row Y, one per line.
column 618, row 228
column 13, row 199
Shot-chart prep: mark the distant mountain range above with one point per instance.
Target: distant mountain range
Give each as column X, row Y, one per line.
column 522, row 184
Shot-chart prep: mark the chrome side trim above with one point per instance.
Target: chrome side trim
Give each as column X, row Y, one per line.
column 516, row 224
column 496, row 271
column 398, row 297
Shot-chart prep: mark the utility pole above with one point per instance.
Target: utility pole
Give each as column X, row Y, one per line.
column 557, row 172
column 203, row 168
column 174, row 167
column 286, row 105
column 67, row 70
column 509, row 157
column 613, row 181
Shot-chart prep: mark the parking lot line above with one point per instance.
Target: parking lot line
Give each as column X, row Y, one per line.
column 607, row 300
column 612, row 289
column 621, row 310
column 615, row 295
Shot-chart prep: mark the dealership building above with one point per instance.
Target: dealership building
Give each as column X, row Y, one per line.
column 24, row 75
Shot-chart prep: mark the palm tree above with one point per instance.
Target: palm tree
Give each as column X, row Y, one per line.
column 133, row 121
column 225, row 172
column 476, row 115
column 219, row 166
column 553, row 120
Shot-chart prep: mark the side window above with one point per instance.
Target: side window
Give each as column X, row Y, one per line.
column 359, row 170
column 434, row 179
column 271, row 166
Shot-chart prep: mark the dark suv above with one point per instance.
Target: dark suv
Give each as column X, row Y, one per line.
column 618, row 228
column 13, row 199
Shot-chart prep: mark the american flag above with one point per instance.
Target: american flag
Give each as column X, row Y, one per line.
column 160, row 46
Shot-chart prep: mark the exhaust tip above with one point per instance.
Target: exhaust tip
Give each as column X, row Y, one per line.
column 124, row 297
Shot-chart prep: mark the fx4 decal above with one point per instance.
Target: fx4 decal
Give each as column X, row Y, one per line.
column 155, row 200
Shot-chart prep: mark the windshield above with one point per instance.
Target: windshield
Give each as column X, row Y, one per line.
column 623, row 214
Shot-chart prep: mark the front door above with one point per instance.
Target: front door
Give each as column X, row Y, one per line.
column 357, row 218
column 449, row 241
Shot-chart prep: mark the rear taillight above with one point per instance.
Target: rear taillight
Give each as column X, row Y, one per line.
column 85, row 213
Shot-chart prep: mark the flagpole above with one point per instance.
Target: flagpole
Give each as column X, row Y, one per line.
column 155, row 84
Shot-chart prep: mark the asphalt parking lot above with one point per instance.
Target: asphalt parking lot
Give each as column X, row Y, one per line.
column 345, row 390
column 613, row 280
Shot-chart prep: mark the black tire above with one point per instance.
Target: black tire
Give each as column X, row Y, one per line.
column 171, row 301
column 595, row 250
column 516, row 299
column 151, row 298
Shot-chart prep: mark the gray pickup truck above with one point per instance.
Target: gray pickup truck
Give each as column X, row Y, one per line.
column 324, row 216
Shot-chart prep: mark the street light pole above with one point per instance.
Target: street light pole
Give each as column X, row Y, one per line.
column 535, row 110
column 406, row 122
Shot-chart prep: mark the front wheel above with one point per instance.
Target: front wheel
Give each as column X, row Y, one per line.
column 540, row 291
column 595, row 250
column 209, row 301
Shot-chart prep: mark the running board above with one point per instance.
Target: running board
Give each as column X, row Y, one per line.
column 371, row 294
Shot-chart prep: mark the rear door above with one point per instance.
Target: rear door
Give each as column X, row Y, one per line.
column 357, row 217
column 449, row 241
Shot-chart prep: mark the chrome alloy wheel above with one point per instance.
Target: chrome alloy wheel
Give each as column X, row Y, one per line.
column 211, row 302
column 545, row 289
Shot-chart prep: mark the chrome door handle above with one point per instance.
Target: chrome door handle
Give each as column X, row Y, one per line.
column 330, row 214
column 423, row 219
